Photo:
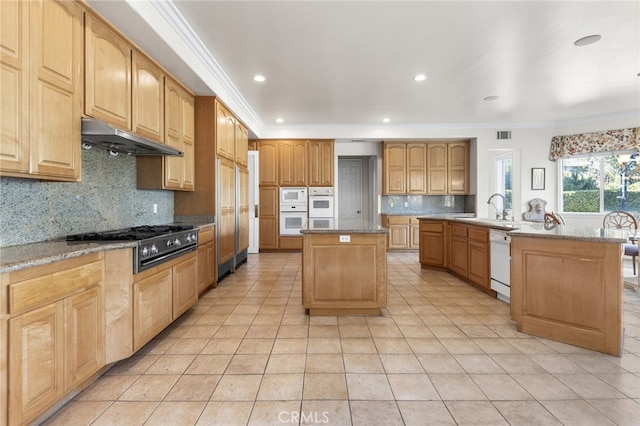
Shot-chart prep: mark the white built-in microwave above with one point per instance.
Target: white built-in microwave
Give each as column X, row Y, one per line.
column 293, row 196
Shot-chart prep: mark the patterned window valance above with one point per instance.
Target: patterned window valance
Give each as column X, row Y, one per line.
column 607, row 141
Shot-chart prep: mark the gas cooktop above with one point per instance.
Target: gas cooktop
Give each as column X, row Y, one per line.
column 136, row 233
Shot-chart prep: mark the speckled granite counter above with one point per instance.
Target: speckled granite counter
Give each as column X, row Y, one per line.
column 28, row 255
column 347, row 227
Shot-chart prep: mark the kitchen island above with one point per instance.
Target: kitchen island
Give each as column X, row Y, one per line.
column 567, row 285
column 344, row 269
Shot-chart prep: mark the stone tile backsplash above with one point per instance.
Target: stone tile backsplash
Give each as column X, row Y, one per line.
column 107, row 198
column 424, row 204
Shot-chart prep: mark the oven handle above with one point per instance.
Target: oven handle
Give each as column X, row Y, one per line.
column 148, row 263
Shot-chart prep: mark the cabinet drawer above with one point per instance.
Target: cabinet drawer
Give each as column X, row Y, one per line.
column 398, row 220
column 478, row 234
column 431, row 226
column 458, row 231
column 54, row 286
column 205, row 235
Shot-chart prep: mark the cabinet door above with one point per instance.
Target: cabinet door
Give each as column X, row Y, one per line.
column 292, row 161
column 459, row 256
column 84, row 336
column 243, row 209
column 437, row 168
column 432, row 248
column 206, row 266
column 147, row 98
column 314, row 168
column 395, row 168
column 107, row 74
column 225, row 133
column 268, row 157
column 152, row 307
column 14, row 80
column 227, row 225
column 268, row 218
column 36, row 358
column 173, row 166
column 188, row 142
column 185, row 285
column 458, row 168
column 398, row 236
column 479, row 263
column 326, row 163
column 416, row 168
column 242, row 145
column 414, row 240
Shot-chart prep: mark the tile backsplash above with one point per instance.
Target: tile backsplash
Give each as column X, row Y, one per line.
column 107, row 198
column 425, row 204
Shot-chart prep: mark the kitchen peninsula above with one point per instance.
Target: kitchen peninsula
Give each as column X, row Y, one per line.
column 344, row 269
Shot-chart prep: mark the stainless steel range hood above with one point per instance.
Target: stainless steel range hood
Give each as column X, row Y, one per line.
column 101, row 135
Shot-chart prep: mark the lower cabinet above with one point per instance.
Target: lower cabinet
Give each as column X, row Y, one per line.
column 268, row 217
column 432, row 243
column 404, row 232
column 54, row 334
column 463, row 249
column 162, row 294
column 206, row 259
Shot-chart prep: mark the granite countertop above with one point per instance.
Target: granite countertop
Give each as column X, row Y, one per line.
column 27, row 255
column 445, row 216
column 539, row 230
column 347, row 227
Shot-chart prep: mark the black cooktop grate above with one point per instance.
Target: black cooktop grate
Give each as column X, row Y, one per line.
column 136, row 233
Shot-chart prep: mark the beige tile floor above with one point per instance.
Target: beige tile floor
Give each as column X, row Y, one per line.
column 442, row 353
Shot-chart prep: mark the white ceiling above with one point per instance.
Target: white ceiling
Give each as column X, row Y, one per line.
column 336, row 64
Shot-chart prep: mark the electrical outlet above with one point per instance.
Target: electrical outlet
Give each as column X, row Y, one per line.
column 345, row 238
column 406, row 204
column 155, row 208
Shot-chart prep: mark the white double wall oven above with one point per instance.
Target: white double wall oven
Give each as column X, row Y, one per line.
column 301, row 207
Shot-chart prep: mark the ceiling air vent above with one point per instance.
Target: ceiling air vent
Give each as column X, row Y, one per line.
column 503, row 134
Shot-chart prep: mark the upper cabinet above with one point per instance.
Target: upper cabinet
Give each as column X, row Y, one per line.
column 292, row 163
column 107, row 74
column 320, row 163
column 179, row 121
column 242, row 145
column 147, row 98
column 426, row 168
column 268, row 157
column 225, row 133
column 41, row 80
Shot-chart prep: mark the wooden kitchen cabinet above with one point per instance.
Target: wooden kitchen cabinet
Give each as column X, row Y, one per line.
column 244, row 210
column 292, row 163
column 147, row 98
column 185, row 284
column 432, row 243
column 320, row 168
column 437, row 168
column 404, row 232
column 225, row 133
column 416, row 174
column 394, row 164
column 207, row 263
column 268, row 157
column 172, row 172
column 227, row 216
column 241, row 145
column 152, row 304
column 469, row 253
column 107, row 74
column 56, row 329
column 268, row 217
column 41, row 80
column 458, row 168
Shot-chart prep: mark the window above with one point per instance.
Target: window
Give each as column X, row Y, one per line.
column 504, row 164
column 600, row 182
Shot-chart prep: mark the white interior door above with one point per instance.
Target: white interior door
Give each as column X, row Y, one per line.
column 254, row 200
column 352, row 200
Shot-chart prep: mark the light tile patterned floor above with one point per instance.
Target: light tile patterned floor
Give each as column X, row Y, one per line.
column 442, row 353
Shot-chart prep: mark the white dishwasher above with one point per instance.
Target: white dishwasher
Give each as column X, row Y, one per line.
column 500, row 263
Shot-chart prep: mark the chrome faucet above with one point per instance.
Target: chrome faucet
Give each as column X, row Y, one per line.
column 504, row 211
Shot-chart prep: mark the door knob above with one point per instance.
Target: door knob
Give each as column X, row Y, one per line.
column 358, row 212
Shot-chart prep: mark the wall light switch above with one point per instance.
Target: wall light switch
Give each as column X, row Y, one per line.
column 406, row 204
column 345, row 238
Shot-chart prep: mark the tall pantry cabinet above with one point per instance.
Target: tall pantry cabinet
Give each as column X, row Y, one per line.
column 222, row 184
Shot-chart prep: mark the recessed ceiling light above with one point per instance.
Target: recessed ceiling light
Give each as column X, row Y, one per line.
column 279, row 120
column 420, row 77
column 386, row 120
column 585, row 41
column 491, row 98
column 259, row 78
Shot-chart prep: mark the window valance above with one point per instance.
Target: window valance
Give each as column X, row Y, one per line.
column 606, row 141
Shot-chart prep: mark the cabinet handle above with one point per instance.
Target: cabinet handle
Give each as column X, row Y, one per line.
column 256, row 211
